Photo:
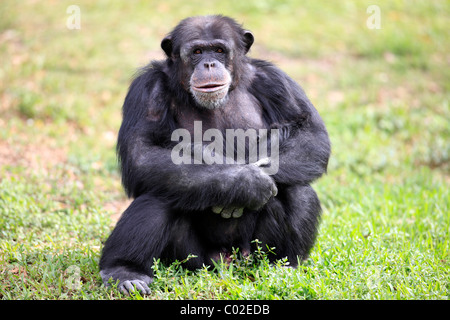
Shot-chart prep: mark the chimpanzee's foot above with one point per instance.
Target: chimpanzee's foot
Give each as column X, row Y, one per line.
column 128, row 280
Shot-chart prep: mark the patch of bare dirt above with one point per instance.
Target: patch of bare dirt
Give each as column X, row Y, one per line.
column 34, row 157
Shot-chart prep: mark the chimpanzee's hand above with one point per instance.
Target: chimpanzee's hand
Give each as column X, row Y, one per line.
column 256, row 188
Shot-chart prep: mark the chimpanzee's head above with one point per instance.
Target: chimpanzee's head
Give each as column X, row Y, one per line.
column 206, row 52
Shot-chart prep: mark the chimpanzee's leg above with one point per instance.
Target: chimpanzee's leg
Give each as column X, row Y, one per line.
column 143, row 233
column 290, row 224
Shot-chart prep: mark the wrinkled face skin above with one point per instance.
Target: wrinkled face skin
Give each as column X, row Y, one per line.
column 210, row 80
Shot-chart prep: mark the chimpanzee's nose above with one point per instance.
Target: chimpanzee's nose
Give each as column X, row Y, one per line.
column 209, row 64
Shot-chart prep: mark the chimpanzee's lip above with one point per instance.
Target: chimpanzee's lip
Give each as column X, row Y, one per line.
column 211, row 87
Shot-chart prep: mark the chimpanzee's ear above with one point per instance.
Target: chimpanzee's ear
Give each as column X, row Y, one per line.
column 248, row 40
column 166, row 45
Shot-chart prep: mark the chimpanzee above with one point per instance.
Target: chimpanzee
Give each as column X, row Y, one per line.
column 207, row 208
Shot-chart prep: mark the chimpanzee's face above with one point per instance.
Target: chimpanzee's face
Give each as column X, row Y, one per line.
column 210, row 78
column 205, row 52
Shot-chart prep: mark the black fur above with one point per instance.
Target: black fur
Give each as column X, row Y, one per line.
column 171, row 216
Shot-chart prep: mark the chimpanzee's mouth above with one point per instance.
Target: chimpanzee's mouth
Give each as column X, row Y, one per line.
column 210, row 87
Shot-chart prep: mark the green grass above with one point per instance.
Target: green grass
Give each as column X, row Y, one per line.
column 383, row 94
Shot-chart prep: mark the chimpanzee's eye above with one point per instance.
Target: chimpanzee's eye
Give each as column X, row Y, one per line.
column 197, row 51
column 219, row 50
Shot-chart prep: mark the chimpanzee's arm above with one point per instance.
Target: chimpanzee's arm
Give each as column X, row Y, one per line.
column 304, row 147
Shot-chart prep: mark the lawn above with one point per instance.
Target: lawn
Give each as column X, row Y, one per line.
column 382, row 92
